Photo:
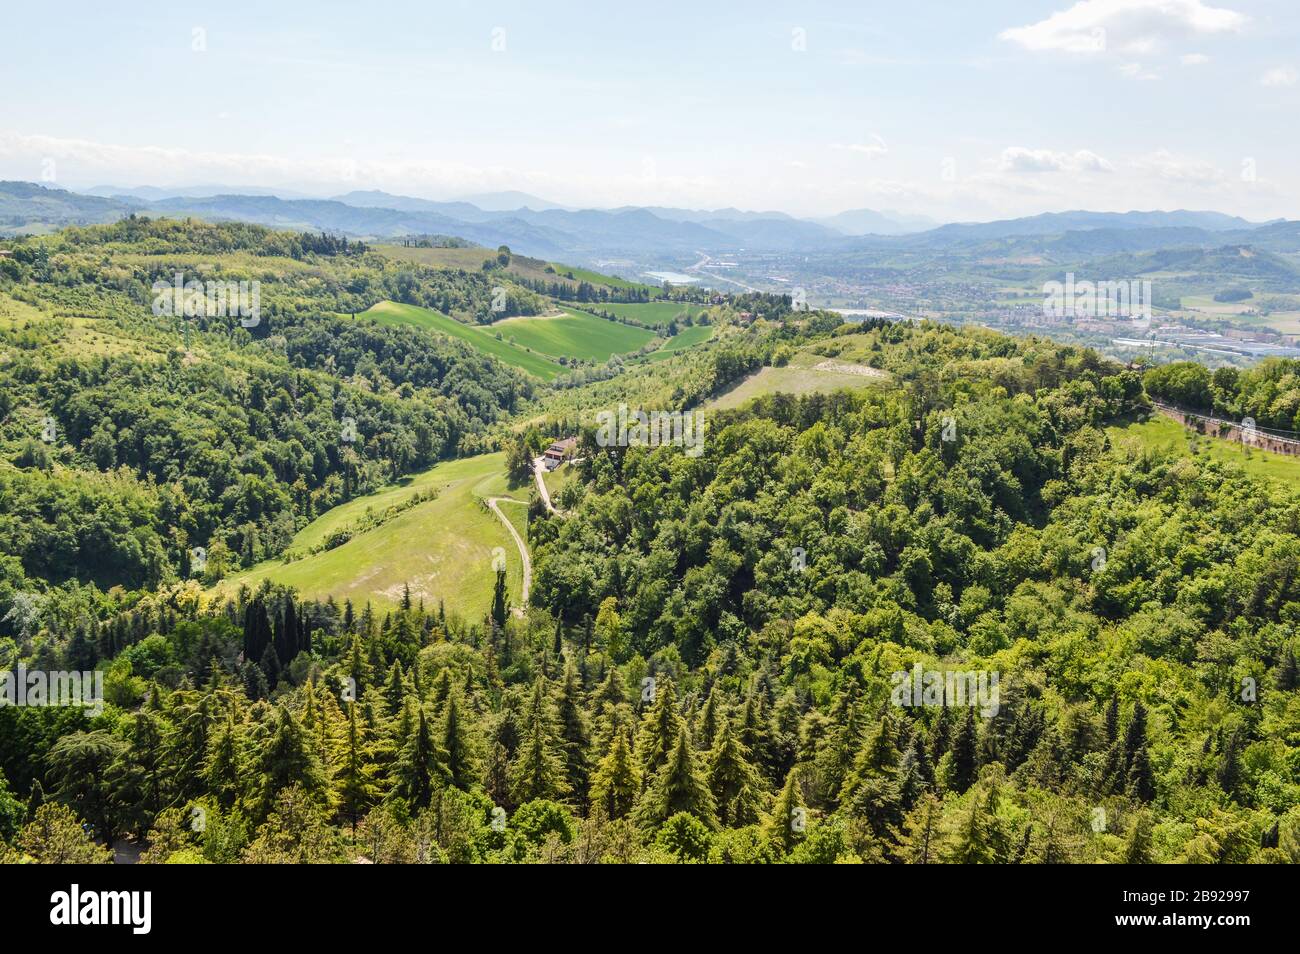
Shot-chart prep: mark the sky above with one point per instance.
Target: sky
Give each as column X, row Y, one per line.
column 954, row 110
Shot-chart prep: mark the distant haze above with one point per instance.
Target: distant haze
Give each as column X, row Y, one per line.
column 922, row 113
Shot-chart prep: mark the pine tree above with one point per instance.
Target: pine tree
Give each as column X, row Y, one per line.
column 1287, row 677
column 288, row 759
column 737, row 787
column 1229, row 773
column 1111, row 724
column 575, row 735
column 919, row 841
column 785, row 826
column 659, row 729
column 915, row 774
column 712, row 715
column 979, row 837
column 395, row 690
column 679, row 786
column 1137, row 847
column 357, row 788
column 458, row 745
column 878, row 758
column 357, row 666
column 441, row 689
column 538, row 767
column 755, row 733
column 836, row 756
column 964, row 747
column 422, row 765
column 616, row 781
column 1140, row 780
column 787, row 724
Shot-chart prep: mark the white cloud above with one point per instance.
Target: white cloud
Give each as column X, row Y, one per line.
column 1193, row 59
column 1020, row 159
column 1138, row 72
column 871, row 150
column 1163, row 164
column 1280, row 76
column 1126, row 26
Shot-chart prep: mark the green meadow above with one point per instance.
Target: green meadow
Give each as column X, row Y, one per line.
column 573, row 334
column 482, row 337
column 443, row 548
column 651, row 313
column 800, row 376
column 1164, row 436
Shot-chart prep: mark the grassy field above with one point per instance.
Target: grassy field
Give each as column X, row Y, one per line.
column 596, row 278
column 800, row 376
column 650, row 313
column 556, row 480
column 1162, row 435
column 443, row 547
column 573, row 334
column 472, row 259
column 481, row 337
column 678, row 344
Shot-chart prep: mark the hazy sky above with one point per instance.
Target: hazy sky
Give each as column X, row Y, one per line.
column 958, row 110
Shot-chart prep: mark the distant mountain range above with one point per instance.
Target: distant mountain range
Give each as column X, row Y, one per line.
column 871, row 222
column 545, row 230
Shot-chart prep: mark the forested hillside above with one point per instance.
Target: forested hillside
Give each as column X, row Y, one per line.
column 707, row 667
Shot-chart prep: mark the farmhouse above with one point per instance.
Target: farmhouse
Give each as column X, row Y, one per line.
column 559, row 452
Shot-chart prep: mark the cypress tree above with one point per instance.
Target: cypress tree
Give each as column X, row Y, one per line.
column 270, row 664
column 500, row 600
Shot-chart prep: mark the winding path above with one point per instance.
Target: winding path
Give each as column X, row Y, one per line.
column 539, row 473
column 519, row 542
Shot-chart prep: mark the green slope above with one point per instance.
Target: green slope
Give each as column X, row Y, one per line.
column 481, row 337
column 443, row 547
column 1162, row 435
column 574, row 334
column 651, row 312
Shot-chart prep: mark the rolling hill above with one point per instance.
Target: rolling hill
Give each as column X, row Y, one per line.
column 442, row 548
column 573, row 334
column 390, row 312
